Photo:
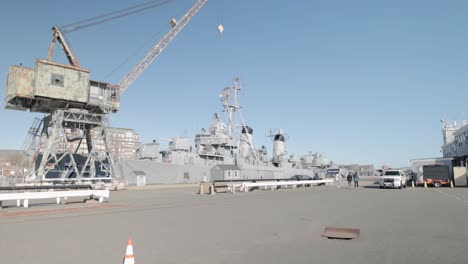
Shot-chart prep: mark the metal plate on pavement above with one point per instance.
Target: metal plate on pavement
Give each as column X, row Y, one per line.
column 341, row 233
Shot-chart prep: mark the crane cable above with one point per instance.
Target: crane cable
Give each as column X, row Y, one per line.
column 221, row 18
column 113, row 15
column 138, row 50
column 221, row 11
column 135, row 53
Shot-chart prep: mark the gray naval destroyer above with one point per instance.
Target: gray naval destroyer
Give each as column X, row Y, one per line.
column 225, row 147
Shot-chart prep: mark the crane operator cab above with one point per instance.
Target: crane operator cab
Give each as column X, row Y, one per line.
column 52, row 85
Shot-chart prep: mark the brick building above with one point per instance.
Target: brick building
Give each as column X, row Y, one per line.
column 124, row 143
column 9, row 161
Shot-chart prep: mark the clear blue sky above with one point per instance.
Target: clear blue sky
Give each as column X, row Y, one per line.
column 359, row 81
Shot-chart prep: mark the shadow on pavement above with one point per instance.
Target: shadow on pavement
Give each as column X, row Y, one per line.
column 371, row 186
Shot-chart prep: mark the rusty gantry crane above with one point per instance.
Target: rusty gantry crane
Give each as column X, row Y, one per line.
column 76, row 107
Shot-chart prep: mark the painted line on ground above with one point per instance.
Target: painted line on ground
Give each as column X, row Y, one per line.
column 452, row 196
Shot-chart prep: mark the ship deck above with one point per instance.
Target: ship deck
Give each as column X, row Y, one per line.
column 174, row 225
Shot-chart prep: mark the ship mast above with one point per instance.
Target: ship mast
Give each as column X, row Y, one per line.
column 229, row 97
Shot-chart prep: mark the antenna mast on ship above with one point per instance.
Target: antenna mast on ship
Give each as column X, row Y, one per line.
column 231, row 106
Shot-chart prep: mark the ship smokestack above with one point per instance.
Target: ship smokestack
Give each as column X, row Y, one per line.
column 279, row 148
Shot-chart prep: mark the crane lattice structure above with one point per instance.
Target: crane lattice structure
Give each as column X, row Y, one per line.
column 76, row 106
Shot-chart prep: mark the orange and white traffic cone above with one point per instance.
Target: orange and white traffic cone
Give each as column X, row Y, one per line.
column 129, row 258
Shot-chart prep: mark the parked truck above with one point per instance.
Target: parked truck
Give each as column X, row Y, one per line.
column 436, row 175
column 393, row 178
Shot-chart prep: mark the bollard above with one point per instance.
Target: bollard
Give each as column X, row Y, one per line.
column 26, row 203
column 18, row 203
column 200, row 190
column 233, row 187
column 451, row 184
column 212, row 190
column 58, row 200
column 425, row 184
column 412, row 184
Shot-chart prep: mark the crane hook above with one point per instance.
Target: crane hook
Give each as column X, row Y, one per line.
column 220, row 29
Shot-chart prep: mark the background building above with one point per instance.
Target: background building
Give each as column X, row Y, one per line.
column 362, row 170
column 9, row 169
column 122, row 142
column 455, row 136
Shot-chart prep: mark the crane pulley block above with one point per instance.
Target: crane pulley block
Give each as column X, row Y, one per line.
column 173, row 22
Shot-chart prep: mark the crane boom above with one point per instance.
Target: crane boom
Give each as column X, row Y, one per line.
column 138, row 69
column 58, row 35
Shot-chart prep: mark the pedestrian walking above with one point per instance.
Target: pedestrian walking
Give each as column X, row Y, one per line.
column 356, row 180
column 413, row 177
column 338, row 180
column 350, row 179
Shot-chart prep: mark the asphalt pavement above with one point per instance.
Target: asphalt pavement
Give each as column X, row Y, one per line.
column 174, row 225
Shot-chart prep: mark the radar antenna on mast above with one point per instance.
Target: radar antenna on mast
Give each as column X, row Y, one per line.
column 229, row 97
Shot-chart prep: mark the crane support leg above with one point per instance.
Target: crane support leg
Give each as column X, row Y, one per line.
column 60, row 156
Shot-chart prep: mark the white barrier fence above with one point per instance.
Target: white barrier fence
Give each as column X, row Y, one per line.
column 274, row 184
column 58, row 195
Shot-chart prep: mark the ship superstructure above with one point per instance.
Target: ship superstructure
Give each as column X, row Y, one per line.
column 224, row 142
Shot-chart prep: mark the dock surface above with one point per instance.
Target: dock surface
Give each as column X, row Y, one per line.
column 174, row 225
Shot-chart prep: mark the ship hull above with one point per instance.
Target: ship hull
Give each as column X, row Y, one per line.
column 142, row 172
